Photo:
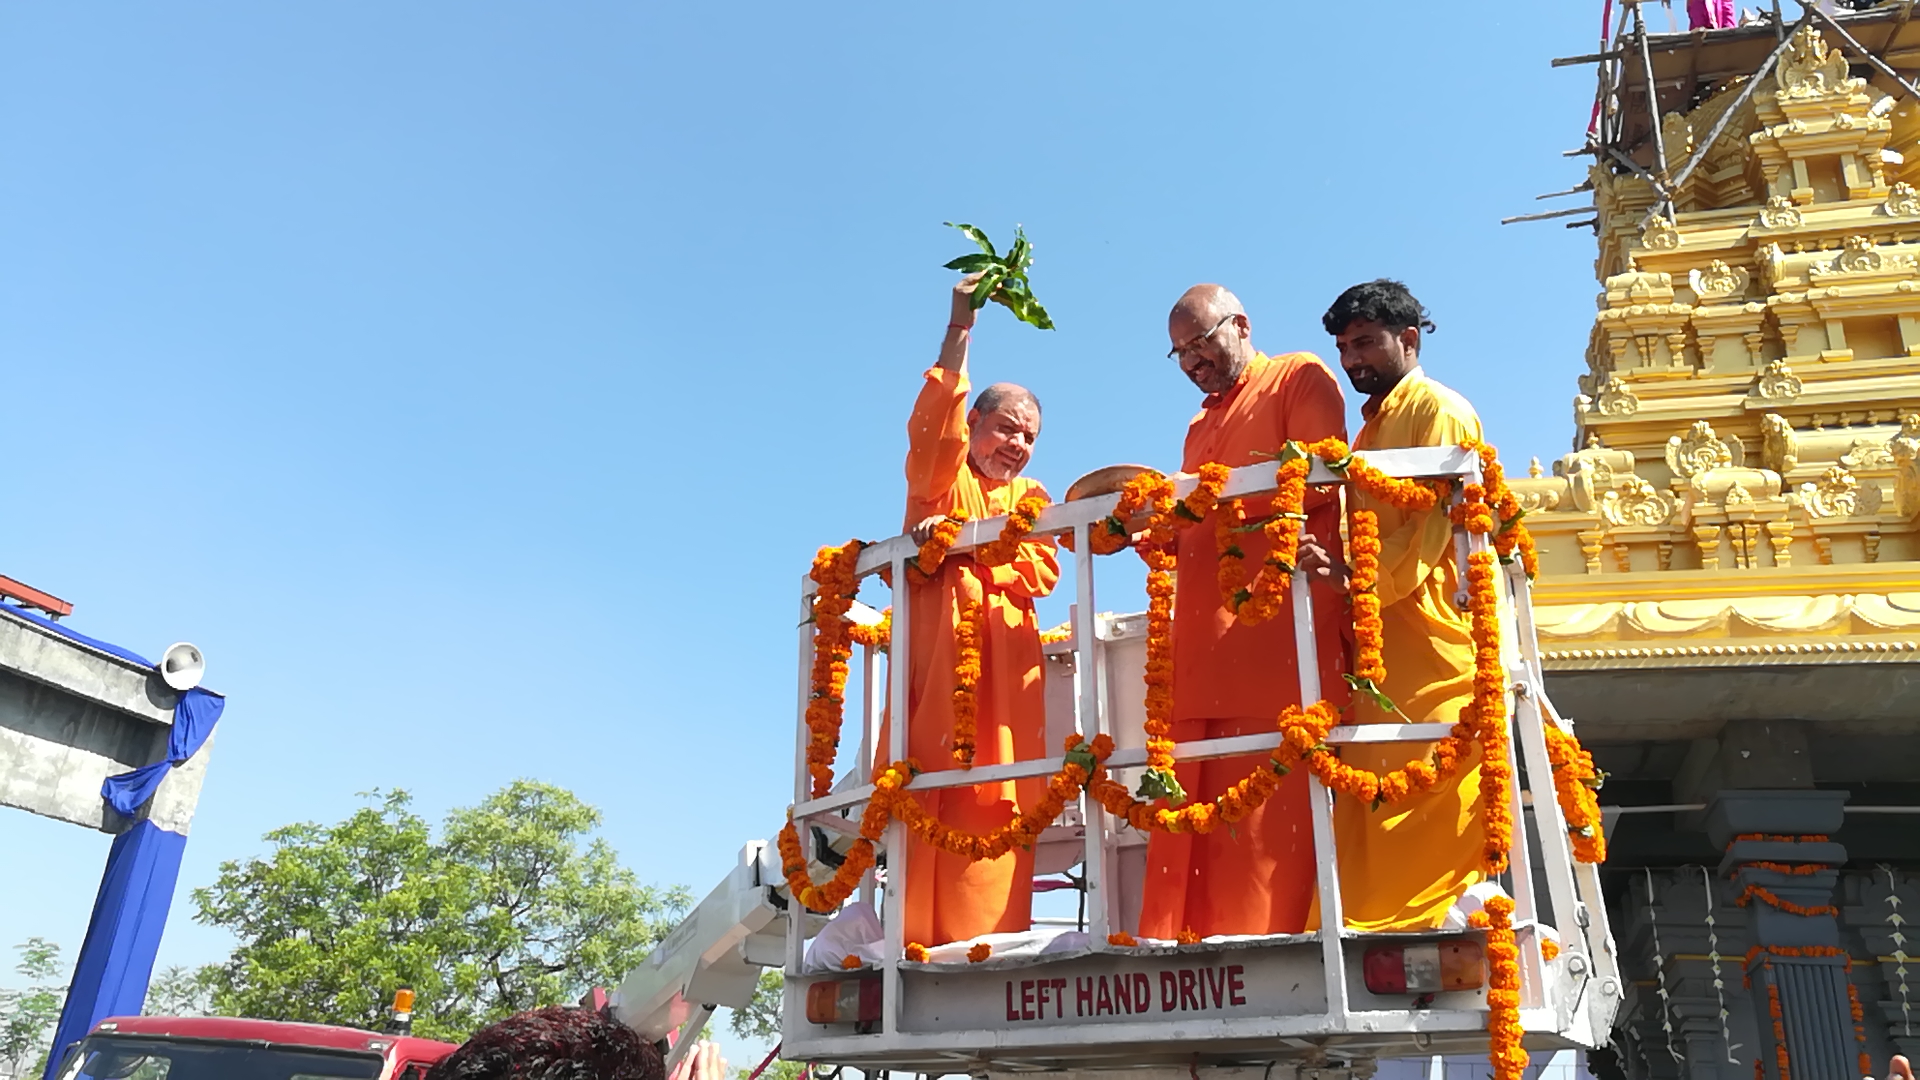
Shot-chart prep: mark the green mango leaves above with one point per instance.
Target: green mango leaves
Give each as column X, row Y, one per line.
column 1003, row 277
column 1161, row 784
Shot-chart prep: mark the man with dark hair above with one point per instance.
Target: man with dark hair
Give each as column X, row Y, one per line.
column 1231, row 678
column 963, row 461
column 1403, row 865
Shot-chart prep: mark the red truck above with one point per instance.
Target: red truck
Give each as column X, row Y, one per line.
column 222, row 1048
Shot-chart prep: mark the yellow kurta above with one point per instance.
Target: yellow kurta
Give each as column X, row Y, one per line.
column 1403, row 866
column 948, row 897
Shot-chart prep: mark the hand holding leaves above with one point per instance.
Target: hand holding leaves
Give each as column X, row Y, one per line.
column 1003, row 278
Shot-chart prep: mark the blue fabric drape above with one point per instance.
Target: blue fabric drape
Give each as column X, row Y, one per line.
column 193, row 719
column 129, row 914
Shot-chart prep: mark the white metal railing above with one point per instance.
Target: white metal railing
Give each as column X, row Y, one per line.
column 1577, row 908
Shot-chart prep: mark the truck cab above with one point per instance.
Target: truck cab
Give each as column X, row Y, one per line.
column 225, row 1048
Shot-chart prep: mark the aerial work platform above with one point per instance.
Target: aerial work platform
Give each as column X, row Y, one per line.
column 1076, row 1001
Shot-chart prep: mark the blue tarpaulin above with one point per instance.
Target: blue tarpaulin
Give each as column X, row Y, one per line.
column 116, row 960
column 130, row 913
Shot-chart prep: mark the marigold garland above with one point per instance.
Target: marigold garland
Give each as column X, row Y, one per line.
column 1083, row 759
column 1576, row 785
column 934, row 551
column 916, row 952
column 1057, row 634
column 1795, row 869
column 1864, row 1062
column 1549, row 950
column 1774, row 900
column 1488, row 711
column 849, row 962
column 969, row 631
column 1187, row 937
column 1260, row 599
column 1369, row 640
column 1503, row 992
column 979, row 953
column 1779, row 1026
column 1019, row 524
column 835, row 585
column 1122, row 939
column 891, row 800
column 877, row 636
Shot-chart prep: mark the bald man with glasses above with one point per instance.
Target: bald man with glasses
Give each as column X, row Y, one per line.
column 1229, row 679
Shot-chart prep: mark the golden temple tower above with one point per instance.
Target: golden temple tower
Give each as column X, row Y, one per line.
column 1729, row 603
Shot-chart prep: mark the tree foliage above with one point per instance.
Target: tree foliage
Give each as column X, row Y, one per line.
column 27, row 1015
column 180, row 991
column 513, row 906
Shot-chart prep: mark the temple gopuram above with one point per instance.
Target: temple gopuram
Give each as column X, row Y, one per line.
column 1729, row 603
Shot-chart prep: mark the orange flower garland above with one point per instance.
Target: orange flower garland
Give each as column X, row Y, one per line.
column 859, row 857
column 979, row 953
column 1797, row 869
column 1489, row 711
column 934, row 551
column 1576, row 783
column 1549, row 950
column 1260, row 599
column 1056, row 635
column 968, row 632
column 1779, row 903
column 835, row 586
column 850, row 962
column 1084, row 758
column 1369, row 641
column 1122, row 939
column 1019, row 523
column 1187, row 937
column 916, row 952
column 1859, row 1024
column 877, row 636
column 1779, row 1025
column 1503, row 992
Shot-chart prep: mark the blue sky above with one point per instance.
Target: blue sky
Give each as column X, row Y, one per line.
column 472, row 382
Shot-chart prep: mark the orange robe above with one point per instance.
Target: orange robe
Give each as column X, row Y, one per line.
column 949, row 898
column 1403, row 866
column 1256, row 877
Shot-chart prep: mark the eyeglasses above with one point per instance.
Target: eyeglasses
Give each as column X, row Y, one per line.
column 1181, row 352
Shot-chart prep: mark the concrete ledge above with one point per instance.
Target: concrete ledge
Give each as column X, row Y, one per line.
column 65, row 664
column 71, row 716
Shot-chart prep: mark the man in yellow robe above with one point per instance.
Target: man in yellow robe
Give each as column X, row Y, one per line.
column 1403, row 865
column 969, row 461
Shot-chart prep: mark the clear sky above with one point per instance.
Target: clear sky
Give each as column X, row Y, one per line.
column 473, row 382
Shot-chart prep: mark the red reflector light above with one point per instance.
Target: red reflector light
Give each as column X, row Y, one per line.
column 844, row 1001
column 1426, row 967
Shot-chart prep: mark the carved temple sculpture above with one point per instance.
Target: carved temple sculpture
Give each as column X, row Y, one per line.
column 1729, row 602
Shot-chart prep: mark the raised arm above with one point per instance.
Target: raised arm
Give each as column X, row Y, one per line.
column 937, row 431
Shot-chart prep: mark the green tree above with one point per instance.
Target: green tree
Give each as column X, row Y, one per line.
column 515, row 905
column 759, row 1020
column 180, row 991
column 27, row 1015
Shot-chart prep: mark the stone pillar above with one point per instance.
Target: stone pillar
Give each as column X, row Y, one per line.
column 1779, row 856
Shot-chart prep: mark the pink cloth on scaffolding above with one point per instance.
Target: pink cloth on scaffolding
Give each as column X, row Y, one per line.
column 1711, row 14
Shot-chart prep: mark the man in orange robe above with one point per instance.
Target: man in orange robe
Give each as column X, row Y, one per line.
column 961, row 460
column 1256, row 877
column 1403, row 865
